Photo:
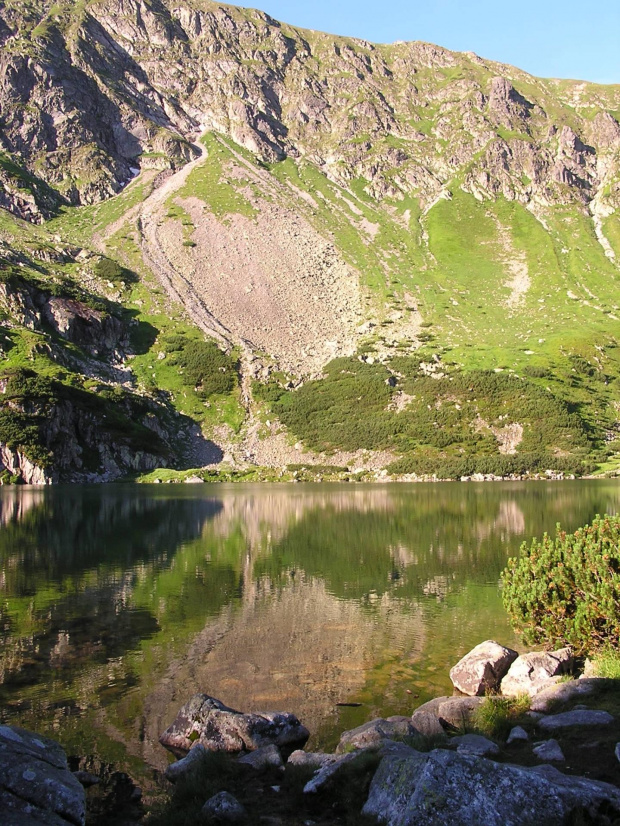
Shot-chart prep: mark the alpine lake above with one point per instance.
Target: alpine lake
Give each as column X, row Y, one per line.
column 337, row 602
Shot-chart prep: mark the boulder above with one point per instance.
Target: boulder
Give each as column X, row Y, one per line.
column 577, row 717
column 427, row 724
column 326, row 774
column 312, row 759
column 481, row 670
column 444, row 788
column 209, row 722
column 186, row 764
column 264, row 758
column 374, row 732
column 549, row 750
column 533, row 672
column 475, row 744
column 564, row 693
column 432, row 706
column 458, row 712
column 223, row 808
column 36, row 785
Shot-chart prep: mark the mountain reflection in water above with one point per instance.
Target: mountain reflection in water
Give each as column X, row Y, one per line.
column 118, row 603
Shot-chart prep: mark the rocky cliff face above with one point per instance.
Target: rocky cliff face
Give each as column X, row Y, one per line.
column 90, row 95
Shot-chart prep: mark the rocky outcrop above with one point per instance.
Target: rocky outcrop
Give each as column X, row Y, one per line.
column 97, row 332
column 50, row 431
column 444, row 787
column 36, row 786
column 125, row 84
column 208, row 722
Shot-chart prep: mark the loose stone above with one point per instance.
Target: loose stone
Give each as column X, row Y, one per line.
column 224, row 808
column 517, row 734
column 549, row 750
column 475, row 744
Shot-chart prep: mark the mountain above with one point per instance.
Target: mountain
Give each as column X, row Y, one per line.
column 230, row 243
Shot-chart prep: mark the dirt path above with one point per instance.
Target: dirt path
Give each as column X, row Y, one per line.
column 173, row 281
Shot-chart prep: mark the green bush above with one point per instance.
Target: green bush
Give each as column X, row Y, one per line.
column 567, row 590
column 205, row 367
column 109, row 270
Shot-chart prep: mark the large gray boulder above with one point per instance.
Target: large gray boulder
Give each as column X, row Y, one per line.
column 36, row 786
column 444, row 788
column 209, row 722
column 481, row 670
column 538, row 670
column 577, row 717
column 566, row 692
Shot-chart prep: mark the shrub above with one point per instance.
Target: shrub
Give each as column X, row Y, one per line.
column 206, row 368
column 109, row 270
column 567, row 590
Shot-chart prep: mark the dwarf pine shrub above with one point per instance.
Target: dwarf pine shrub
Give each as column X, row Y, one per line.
column 567, row 590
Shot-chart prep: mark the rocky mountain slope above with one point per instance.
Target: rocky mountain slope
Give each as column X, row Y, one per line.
column 406, row 255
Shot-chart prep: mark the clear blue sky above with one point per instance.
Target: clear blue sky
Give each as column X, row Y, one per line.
column 549, row 38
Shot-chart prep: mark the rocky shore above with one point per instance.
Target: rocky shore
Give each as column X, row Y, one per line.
column 525, row 741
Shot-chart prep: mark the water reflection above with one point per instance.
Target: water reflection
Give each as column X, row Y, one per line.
column 117, row 603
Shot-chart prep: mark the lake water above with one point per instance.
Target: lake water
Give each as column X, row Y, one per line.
column 118, row 603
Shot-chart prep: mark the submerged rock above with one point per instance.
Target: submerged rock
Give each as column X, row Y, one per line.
column 207, row 721
column 482, row 669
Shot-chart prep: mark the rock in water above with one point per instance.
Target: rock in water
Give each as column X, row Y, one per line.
column 36, row 786
column 482, row 669
column 443, row 788
column 209, row 722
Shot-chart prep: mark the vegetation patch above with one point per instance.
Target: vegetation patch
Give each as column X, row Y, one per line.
column 566, row 590
column 204, row 366
column 454, row 423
